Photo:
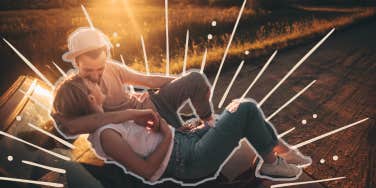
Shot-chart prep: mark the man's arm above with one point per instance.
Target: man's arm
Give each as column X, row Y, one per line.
column 130, row 76
column 89, row 123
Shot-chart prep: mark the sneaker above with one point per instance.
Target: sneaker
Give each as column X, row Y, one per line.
column 295, row 157
column 278, row 171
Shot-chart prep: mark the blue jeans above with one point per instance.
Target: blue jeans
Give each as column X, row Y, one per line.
column 197, row 155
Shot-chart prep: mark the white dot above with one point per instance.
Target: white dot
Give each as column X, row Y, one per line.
column 214, row 23
column 335, row 157
column 115, row 34
column 18, row 118
column 10, row 158
column 314, row 116
column 210, row 36
column 246, row 52
column 322, row 161
column 304, row 121
column 118, row 45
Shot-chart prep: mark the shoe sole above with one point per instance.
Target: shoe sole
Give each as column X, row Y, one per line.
column 277, row 178
column 304, row 165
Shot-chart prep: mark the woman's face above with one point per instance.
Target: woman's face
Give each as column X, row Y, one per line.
column 96, row 96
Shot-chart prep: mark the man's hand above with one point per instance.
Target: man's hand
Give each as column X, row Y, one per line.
column 148, row 118
column 233, row 106
column 165, row 128
column 141, row 96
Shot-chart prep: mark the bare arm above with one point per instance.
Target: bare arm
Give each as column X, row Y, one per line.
column 151, row 81
column 118, row 149
column 89, row 123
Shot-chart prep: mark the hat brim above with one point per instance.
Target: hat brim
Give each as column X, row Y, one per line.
column 71, row 55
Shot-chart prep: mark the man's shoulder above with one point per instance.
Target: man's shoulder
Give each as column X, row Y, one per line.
column 113, row 64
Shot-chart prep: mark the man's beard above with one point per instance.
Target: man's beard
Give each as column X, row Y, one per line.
column 94, row 81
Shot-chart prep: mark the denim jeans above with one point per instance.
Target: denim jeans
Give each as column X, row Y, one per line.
column 196, row 155
column 170, row 97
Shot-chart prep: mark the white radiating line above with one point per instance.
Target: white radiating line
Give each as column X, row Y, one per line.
column 230, row 85
column 292, row 99
column 295, row 67
column 203, row 61
column 69, row 145
column 32, row 182
column 306, row 182
column 59, row 69
column 131, row 88
column 227, row 48
column 328, row 133
column 122, row 60
column 286, row 132
column 31, row 88
column 34, row 100
column 167, row 43
column 87, row 17
column 35, row 146
column 145, row 56
column 259, row 74
column 185, row 52
column 58, row 170
column 28, row 63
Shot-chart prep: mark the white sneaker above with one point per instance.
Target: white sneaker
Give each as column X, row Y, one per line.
column 278, row 171
column 296, row 158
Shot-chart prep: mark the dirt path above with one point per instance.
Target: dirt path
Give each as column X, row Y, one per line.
column 344, row 67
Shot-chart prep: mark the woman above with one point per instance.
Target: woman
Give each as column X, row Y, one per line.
column 153, row 150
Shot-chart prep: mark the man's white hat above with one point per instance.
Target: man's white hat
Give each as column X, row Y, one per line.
column 85, row 39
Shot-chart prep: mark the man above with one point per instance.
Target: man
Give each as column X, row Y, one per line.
column 89, row 52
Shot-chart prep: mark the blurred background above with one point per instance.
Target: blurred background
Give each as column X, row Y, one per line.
column 39, row 29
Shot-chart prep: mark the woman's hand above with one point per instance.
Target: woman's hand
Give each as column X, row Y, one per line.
column 147, row 118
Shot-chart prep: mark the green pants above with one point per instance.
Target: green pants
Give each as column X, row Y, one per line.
column 196, row 155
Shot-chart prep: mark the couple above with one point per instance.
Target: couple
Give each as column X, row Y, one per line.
column 143, row 133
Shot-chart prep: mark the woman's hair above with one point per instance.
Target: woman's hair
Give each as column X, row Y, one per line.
column 71, row 98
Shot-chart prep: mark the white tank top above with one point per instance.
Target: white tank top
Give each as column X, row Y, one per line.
column 142, row 142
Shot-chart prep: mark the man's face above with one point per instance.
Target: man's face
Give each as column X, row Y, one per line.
column 92, row 68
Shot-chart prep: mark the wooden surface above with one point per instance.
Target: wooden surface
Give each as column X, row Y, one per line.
column 344, row 93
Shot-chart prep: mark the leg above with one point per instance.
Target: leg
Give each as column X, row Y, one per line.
column 246, row 122
column 221, row 140
column 194, row 86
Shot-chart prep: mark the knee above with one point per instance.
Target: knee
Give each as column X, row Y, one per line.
column 248, row 105
column 198, row 77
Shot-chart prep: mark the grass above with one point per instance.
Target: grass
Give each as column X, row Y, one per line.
column 269, row 37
